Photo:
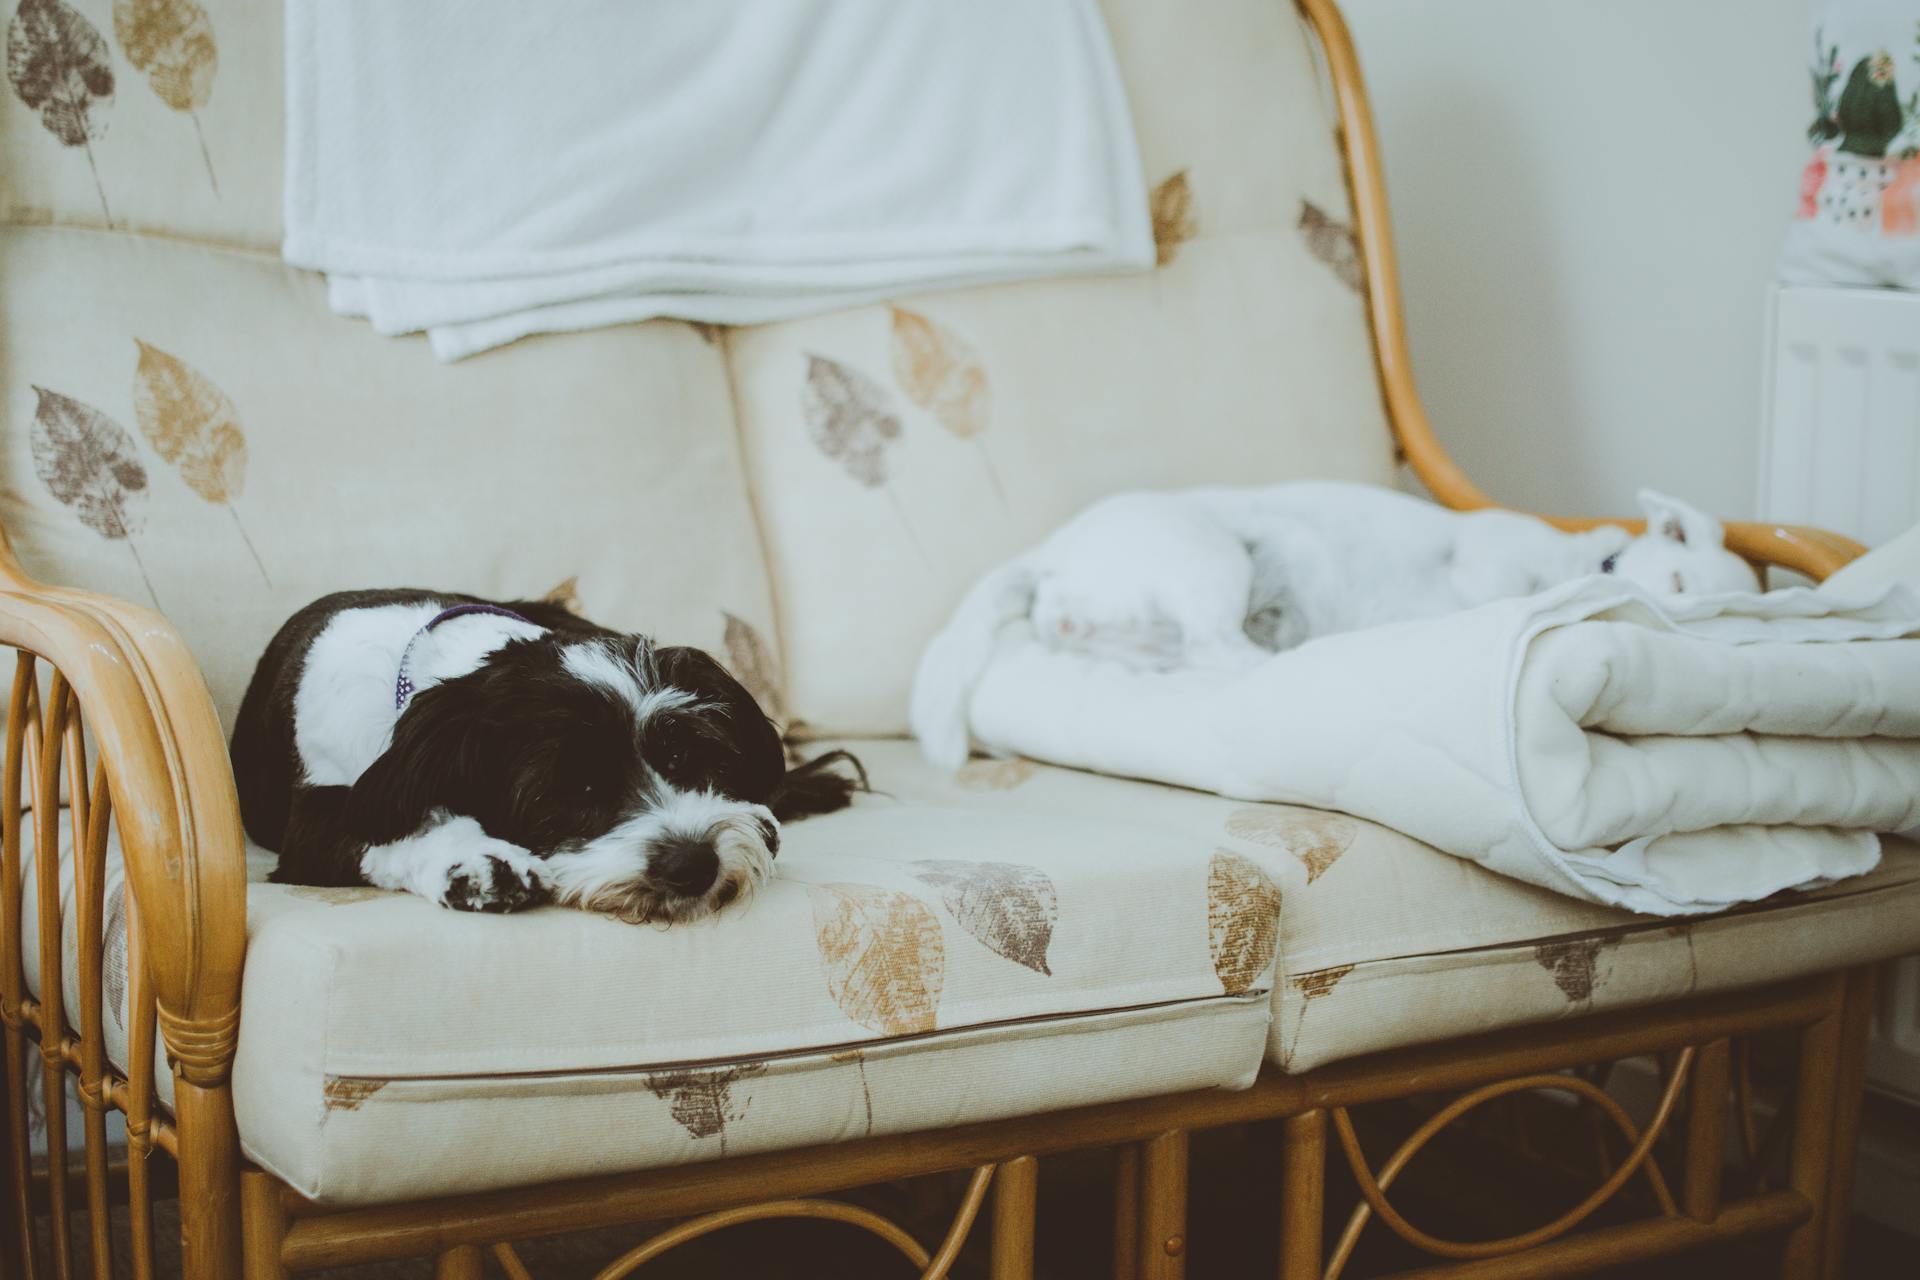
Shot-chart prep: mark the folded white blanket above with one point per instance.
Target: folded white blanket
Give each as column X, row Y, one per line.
column 1670, row 757
column 484, row 170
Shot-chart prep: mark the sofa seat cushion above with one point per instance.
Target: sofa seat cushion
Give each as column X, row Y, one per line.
column 1386, row 942
column 909, row 967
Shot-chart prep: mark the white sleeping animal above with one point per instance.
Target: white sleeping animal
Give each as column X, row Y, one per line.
column 1225, row 577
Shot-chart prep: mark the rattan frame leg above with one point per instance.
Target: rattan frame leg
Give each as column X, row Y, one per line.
column 1850, row 1083
column 13, row 1192
column 1701, row 1192
column 1161, row 1244
column 264, row 1225
column 1126, row 1213
column 1303, row 1181
column 1816, row 1106
column 1016, row 1188
column 465, row 1262
column 210, row 1247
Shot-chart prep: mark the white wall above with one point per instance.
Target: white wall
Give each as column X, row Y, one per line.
column 1588, row 196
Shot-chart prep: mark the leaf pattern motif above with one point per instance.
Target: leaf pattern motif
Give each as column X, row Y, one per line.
column 883, row 954
column 1333, row 243
column 193, row 426
column 1320, row 982
column 567, row 596
column 1574, row 964
column 852, row 422
column 941, row 372
column 1010, row 909
column 348, row 1093
column 1243, row 920
column 701, row 1099
column 86, row 460
column 1171, row 206
column 1316, row 838
column 114, row 975
column 850, row 419
column 753, row 666
column 336, row 895
column 995, row 775
column 172, row 42
column 57, row 64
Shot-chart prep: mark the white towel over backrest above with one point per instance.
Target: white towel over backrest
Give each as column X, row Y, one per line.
column 484, row 170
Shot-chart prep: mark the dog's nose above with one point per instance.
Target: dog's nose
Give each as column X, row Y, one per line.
column 684, row 866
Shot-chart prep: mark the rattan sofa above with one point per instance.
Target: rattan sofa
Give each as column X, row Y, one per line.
column 966, row 972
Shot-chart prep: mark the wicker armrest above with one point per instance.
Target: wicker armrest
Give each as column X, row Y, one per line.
column 1814, row 552
column 127, row 675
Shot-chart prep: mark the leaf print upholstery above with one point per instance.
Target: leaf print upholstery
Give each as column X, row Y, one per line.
column 883, row 954
column 1333, row 243
column 849, row 418
column 1171, row 206
column 995, row 775
column 701, row 1100
column 753, row 666
column 1320, row 982
column 172, row 42
column 193, row 426
column 1574, row 964
column 942, row 374
column 346, row 1093
column 87, row 462
column 1243, row 920
column 57, row 64
column 566, row 594
column 113, row 956
column 1008, row 908
column 1317, row 839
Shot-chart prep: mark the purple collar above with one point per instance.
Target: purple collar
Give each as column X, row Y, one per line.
column 403, row 682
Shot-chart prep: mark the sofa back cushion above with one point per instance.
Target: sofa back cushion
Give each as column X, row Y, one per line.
column 188, row 428
column 186, row 424
column 897, row 452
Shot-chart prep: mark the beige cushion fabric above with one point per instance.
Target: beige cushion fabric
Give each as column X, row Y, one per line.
column 907, row 969
column 1385, row 942
column 609, row 458
column 897, row 453
column 187, row 143
column 891, row 979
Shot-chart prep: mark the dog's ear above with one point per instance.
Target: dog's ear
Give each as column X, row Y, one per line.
column 821, row 785
column 1675, row 521
column 417, row 773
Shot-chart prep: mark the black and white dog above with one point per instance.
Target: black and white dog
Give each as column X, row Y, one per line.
column 496, row 756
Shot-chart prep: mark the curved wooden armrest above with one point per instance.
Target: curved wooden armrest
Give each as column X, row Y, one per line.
column 158, row 736
column 1814, row 552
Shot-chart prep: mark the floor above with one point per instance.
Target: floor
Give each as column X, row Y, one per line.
column 1461, row 1186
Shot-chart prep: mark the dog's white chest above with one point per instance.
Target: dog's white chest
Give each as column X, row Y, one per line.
column 343, row 709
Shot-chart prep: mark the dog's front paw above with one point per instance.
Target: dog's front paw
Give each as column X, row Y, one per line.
column 497, row 879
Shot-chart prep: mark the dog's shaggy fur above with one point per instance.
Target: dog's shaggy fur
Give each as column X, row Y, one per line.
column 540, row 759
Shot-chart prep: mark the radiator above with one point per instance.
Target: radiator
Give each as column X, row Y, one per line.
column 1841, row 449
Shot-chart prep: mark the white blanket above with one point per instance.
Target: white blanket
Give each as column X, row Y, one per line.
column 1670, row 757
column 484, row 170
